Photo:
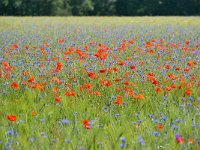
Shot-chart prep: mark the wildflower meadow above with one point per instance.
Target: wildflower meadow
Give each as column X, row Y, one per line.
column 81, row 83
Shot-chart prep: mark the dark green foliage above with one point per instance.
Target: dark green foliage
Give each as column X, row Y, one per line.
column 99, row 7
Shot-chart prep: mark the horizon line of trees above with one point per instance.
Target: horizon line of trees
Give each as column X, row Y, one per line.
column 99, row 7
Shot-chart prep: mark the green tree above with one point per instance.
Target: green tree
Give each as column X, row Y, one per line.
column 99, row 7
column 65, row 8
column 104, row 7
column 81, row 7
column 121, row 7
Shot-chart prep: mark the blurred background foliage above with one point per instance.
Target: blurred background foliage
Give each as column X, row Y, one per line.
column 99, row 7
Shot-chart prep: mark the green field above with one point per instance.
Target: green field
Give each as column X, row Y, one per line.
column 100, row 83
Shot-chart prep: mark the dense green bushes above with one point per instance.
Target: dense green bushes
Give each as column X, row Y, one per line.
column 99, row 7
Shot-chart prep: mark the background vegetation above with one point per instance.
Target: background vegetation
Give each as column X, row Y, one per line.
column 102, row 83
column 99, row 7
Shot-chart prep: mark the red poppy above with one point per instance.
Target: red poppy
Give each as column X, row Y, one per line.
column 26, row 47
column 155, row 82
column 31, row 79
column 12, row 118
column 186, row 69
column 58, row 99
column 159, row 126
column 118, row 102
column 59, row 66
column 14, row 46
column 190, row 63
column 87, row 124
column 33, row 113
column 131, row 41
column 6, row 64
column 87, row 86
column 97, row 93
column 14, row 85
column 102, row 70
column 117, row 79
column 70, row 93
column 132, row 67
column 86, row 47
column 92, row 75
column 178, row 69
column 158, row 90
column 188, row 92
column 151, row 74
column 115, row 69
column 187, row 42
column 173, row 86
column 56, row 80
column 180, row 140
column 138, row 97
column 168, row 89
column 121, row 63
column 127, row 82
column 167, row 66
column 38, row 86
column 142, row 63
column 61, row 40
column 105, row 83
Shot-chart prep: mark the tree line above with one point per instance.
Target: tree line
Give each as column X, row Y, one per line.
column 99, row 7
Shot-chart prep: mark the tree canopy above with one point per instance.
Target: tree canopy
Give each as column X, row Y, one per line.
column 99, row 7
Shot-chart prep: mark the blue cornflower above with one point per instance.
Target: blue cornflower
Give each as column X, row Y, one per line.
column 124, row 103
column 194, row 125
column 137, row 115
column 188, row 103
column 191, row 98
column 151, row 115
column 81, row 148
column 134, row 122
column 174, row 127
column 11, row 132
column 65, row 121
column 117, row 115
column 177, row 136
column 123, row 145
column 8, row 146
column 42, row 120
column 141, row 140
column 67, row 141
column 156, row 120
column 123, row 139
column 156, row 133
column 100, row 143
column 106, row 108
column 53, row 140
column 178, row 120
column 198, row 141
column 165, row 118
